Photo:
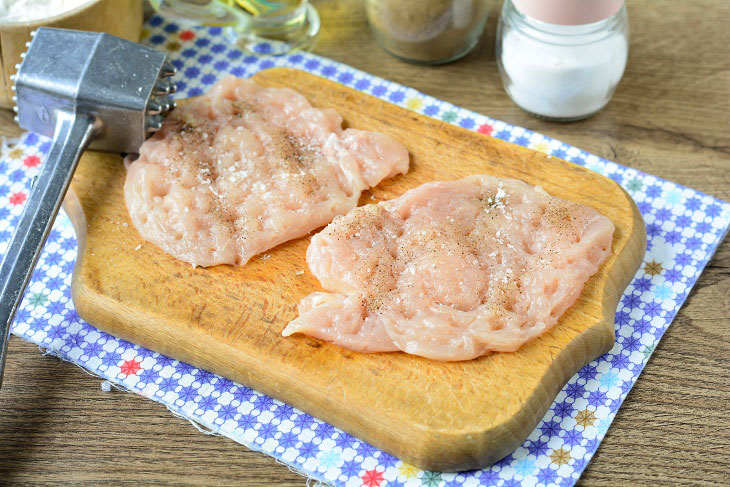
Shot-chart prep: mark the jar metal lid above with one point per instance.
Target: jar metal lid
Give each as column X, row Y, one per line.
column 569, row 12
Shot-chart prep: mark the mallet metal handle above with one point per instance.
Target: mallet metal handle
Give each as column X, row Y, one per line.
column 71, row 137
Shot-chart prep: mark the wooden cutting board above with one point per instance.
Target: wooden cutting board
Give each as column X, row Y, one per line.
column 437, row 416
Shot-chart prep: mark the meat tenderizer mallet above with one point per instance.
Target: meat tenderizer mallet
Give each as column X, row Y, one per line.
column 85, row 90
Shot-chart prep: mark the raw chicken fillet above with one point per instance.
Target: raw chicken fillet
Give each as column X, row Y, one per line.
column 245, row 168
column 451, row 270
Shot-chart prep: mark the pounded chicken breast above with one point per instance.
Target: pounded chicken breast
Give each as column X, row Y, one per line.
column 452, row 270
column 245, row 168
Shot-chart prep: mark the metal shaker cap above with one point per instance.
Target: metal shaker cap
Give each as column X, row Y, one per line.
column 569, row 12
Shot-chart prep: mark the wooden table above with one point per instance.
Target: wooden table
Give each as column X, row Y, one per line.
column 670, row 117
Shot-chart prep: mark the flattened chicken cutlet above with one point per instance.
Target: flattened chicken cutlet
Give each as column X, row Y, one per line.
column 245, row 168
column 452, row 270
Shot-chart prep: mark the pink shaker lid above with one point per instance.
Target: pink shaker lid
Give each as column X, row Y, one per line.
column 569, row 12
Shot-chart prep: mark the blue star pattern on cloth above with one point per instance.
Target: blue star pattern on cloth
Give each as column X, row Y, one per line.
column 684, row 228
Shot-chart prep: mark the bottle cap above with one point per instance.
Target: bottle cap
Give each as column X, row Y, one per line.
column 569, row 12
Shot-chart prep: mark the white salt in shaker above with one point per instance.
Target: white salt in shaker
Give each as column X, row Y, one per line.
column 562, row 59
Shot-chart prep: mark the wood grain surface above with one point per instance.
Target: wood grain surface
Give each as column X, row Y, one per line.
column 669, row 117
column 229, row 319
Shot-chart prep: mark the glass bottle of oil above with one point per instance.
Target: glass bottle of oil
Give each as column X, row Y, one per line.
column 261, row 26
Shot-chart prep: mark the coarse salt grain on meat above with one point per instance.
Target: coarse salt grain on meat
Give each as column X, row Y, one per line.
column 245, row 168
column 452, row 270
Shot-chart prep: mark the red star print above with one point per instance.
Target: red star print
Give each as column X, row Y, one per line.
column 372, row 478
column 130, row 367
column 17, row 198
column 485, row 129
column 32, row 161
column 187, row 35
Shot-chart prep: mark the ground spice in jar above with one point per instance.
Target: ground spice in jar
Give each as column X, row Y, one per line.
column 427, row 31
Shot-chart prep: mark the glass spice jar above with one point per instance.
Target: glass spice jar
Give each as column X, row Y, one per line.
column 427, row 31
column 561, row 60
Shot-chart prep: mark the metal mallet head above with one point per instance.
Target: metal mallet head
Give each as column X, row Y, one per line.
column 83, row 89
column 118, row 83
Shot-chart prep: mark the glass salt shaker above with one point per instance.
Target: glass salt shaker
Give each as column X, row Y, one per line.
column 561, row 60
